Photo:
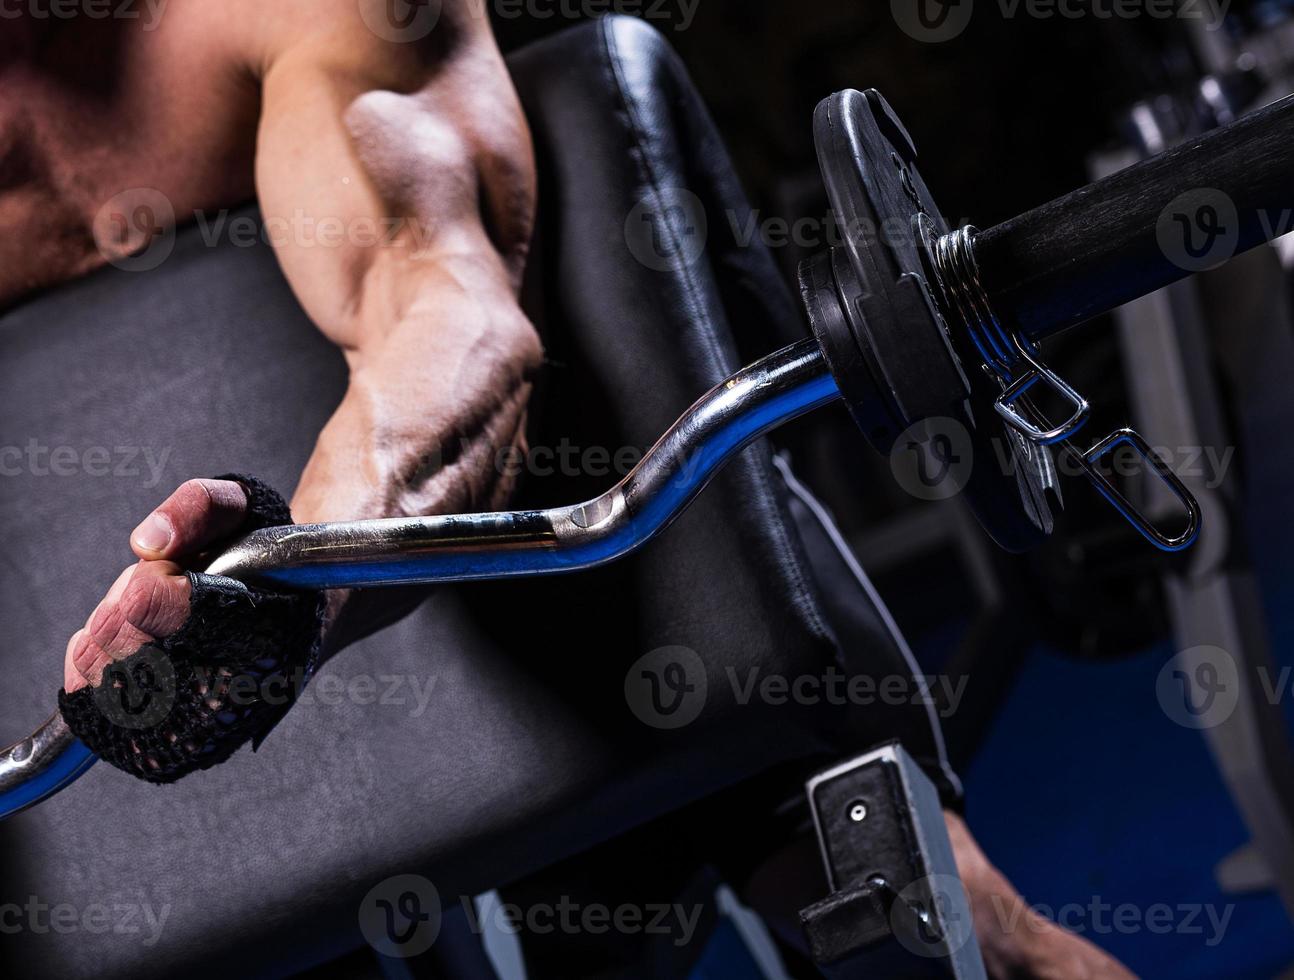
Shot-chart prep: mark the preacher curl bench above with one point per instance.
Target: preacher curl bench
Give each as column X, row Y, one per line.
column 529, row 752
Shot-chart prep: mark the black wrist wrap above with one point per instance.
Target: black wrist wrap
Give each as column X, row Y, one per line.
column 225, row 677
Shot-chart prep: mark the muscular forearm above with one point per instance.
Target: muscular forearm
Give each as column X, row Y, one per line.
column 436, row 398
column 435, row 395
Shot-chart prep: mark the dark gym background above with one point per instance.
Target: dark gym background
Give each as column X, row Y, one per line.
column 1076, row 788
column 1003, row 116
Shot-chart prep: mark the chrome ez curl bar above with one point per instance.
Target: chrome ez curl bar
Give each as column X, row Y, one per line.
column 912, row 321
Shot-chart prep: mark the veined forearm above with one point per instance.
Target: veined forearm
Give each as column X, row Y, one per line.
column 428, row 418
column 368, row 467
column 426, row 422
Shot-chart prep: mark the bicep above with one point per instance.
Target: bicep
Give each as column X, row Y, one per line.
column 370, row 173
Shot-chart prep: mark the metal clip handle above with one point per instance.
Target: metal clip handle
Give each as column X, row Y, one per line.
column 1124, row 506
column 1017, row 365
column 1005, row 404
column 1013, row 361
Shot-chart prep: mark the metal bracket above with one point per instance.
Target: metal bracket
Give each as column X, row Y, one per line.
column 897, row 905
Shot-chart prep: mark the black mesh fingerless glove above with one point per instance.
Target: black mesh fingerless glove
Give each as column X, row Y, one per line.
column 225, row 677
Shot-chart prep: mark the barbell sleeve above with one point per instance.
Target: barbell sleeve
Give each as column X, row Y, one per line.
column 1128, row 234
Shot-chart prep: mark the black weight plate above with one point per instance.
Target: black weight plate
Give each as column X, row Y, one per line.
column 889, row 348
column 868, row 164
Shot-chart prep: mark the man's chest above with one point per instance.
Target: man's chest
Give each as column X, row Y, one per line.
column 87, row 178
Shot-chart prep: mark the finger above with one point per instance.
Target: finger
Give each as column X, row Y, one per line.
column 197, row 515
column 102, row 625
column 86, row 660
column 156, row 599
column 150, row 601
column 72, row 676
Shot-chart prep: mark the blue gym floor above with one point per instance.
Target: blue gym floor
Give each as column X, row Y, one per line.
column 1096, row 793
